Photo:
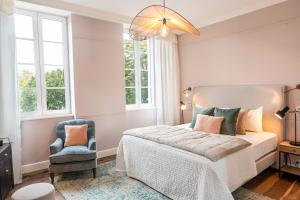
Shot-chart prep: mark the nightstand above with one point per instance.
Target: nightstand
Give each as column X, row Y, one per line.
column 285, row 148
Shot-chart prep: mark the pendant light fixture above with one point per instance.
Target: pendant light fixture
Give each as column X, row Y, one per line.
column 158, row 20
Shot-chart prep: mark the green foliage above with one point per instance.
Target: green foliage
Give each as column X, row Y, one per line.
column 144, row 95
column 144, row 55
column 27, row 79
column 130, row 96
column 28, row 100
column 144, row 78
column 129, row 78
column 55, row 78
column 129, row 54
column 27, row 86
column 55, row 99
column 55, row 90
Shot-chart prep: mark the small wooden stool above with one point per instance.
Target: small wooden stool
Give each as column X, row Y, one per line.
column 37, row 191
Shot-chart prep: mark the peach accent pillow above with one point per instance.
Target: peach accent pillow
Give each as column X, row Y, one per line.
column 209, row 124
column 241, row 122
column 76, row 135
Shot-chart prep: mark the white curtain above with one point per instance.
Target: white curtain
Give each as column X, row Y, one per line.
column 164, row 60
column 9, row 115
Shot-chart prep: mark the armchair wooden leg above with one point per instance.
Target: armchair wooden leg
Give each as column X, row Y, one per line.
column 52, row 177
column 94, row 172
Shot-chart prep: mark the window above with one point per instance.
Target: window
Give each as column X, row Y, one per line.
column 42, row 63
column 137, row 73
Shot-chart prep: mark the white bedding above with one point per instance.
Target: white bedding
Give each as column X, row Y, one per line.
column 183, row 175
column 262, row 143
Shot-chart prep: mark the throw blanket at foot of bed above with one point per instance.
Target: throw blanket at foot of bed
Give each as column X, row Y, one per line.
column 211, row 146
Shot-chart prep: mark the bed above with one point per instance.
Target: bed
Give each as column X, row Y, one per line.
column 180, row 174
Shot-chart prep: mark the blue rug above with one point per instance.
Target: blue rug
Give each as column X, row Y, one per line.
column 112, row 185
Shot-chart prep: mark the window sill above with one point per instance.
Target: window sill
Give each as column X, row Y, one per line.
column 137, row 108
column 30, row 118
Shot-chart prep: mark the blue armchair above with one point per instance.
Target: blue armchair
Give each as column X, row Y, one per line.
column 73, row 158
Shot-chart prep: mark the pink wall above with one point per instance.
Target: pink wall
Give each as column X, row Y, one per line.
column 262, row 47
column 98, row 66
column 37, row 135
column 98, row 71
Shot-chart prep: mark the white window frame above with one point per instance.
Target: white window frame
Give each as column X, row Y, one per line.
column 138, row 86
column 41, row 96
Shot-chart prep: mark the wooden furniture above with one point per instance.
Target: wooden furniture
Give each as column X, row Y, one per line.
column 286, row 148
column 6, row 170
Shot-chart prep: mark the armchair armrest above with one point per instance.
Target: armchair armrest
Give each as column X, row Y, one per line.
column 92, row 144
column 56, row 146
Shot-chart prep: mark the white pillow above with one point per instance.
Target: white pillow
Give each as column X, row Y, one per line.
column 254, row 120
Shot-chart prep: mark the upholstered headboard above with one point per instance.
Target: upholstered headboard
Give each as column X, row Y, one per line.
column 271, row 97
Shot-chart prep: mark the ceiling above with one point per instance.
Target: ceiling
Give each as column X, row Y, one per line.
column 198, row 12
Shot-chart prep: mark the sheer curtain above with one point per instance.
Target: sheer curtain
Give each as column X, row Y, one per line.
column 163, row 54
column 9, row 117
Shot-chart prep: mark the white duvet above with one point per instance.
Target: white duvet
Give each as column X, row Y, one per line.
column 183, row 175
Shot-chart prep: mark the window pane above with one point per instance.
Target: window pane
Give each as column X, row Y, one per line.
column 26, row 76
column 144, row 61
column 52, row 30
column 53, row 53
column 54, row 76
column 144, row 78
column 128, row 52
column 23, row 26
column 145, row 95
column 27, row 100
column 128, row 42
column 25, row 51
column 143, row 45
column 129, row 60
column 56, row 99
column 130, row 96
column 129, row 78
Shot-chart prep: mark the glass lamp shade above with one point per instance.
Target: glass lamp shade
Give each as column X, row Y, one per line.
column 158, row 20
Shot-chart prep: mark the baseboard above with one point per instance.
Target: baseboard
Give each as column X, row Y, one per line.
column 35, row 167
column 45, row 164
column 106, row 152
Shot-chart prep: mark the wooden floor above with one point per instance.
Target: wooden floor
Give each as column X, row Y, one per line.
column 268, row 183
column 43, row 176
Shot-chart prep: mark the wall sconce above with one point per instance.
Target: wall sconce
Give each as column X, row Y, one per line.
column 187, row 91
column 182, row 108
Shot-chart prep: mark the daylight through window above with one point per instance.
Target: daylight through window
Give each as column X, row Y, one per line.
column 42, row 63
column 137, row 73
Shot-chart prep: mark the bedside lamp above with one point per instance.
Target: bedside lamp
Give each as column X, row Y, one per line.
column 281, row 114
column 182, row 108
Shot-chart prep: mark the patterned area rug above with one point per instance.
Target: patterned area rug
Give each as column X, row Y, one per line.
column 113, row 185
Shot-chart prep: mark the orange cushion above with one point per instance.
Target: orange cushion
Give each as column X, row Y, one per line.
column 209, row 124
column 76, row 135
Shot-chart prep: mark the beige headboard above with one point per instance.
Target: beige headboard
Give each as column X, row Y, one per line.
column 271, row 97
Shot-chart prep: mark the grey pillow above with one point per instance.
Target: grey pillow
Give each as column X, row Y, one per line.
column 203, row 111
column 230, row 119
